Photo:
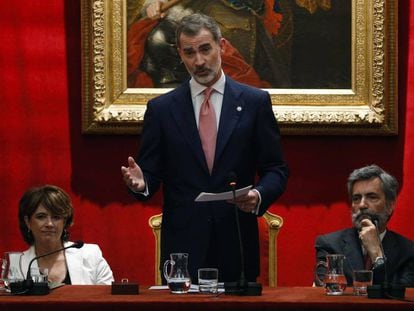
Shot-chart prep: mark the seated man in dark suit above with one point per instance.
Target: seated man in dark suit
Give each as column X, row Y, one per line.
column 372, row 193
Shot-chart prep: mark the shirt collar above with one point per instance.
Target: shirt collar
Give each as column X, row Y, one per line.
column 197, row 88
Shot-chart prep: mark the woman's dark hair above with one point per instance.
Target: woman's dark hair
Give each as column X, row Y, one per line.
column 52, row 198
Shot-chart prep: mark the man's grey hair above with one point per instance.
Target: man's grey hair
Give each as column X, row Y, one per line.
column 389, row 183
column 191, row 25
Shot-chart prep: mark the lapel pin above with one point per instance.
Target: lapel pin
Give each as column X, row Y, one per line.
column 239, row 108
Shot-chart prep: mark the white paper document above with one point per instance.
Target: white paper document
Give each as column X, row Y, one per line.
column 207, row 196
column 193, row 288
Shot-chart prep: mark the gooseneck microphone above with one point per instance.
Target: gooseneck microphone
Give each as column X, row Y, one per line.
column 240, row 287
column 385, row 289
column 28, row 287
column 233, row 184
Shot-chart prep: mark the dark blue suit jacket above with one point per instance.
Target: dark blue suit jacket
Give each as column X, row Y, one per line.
column 398, row 250
column 248, row 144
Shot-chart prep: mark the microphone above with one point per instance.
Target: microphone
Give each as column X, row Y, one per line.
column 233, row 183
column 28, row 287
column 385, row 289
column 240, row 287
column 374, row 219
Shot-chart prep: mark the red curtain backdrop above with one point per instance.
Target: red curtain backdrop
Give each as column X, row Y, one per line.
column 41, row 142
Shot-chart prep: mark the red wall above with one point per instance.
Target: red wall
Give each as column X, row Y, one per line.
column 41, row 142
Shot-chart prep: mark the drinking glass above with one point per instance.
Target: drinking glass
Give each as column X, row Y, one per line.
column 362, row 279
column 208, row 280
column 39, row 275
column 2, row 276
column 11, row 268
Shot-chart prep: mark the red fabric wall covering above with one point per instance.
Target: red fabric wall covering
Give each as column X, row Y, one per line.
column 405, row 212
column 41, row 142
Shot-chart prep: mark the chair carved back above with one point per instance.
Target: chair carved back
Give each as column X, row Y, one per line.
column 273, row 224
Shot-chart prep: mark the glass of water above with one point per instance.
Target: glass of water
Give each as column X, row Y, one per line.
column 3, row 263
column 362, row 279
column 208, row 280
column 11, row 268
column 39, row 275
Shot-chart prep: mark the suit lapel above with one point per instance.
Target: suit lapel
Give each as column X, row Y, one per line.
column 182, row 111
column 26, row 258
column 231, row 111
column 74, row 264
column 183, row 114
column 351, row 243
column 392, row 251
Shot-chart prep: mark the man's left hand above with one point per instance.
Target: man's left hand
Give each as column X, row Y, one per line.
column 248, row 202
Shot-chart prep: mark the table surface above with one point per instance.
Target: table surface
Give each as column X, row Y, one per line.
column 88, row 297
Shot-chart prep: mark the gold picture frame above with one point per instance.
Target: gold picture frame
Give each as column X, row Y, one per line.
column 368, row 107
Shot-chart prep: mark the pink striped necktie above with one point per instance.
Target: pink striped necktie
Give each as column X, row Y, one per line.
column 208, row 128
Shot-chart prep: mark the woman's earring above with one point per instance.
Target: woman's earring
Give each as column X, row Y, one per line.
column 29, row 234
column 65, row 235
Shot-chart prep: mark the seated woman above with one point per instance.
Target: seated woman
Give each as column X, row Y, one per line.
column 45, row 214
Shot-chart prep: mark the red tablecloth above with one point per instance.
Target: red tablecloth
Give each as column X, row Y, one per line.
column 99, row 298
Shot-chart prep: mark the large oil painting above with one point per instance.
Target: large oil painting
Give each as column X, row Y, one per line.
column 329, row 65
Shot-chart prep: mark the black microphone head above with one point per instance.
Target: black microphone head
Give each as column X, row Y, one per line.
column 77, row 244
column 375, row 220
column 365, row 215
column 232, row 179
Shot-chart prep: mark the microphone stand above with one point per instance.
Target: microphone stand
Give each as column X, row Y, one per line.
column 384, row 290
column 241, row 287
column 28, row 287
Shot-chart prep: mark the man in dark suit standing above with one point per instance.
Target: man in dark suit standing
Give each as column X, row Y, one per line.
column 372, row 193
column 180, row 150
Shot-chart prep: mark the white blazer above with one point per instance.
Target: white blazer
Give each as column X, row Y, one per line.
column 86, row 265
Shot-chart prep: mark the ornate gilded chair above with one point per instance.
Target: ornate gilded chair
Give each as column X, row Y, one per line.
column 272, row 223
